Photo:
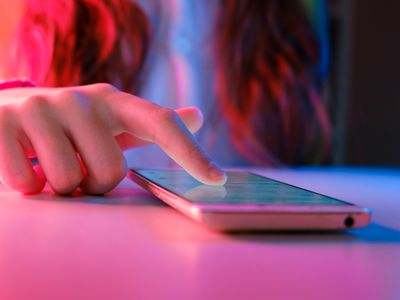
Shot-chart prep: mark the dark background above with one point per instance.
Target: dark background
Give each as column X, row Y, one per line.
column 364, row 89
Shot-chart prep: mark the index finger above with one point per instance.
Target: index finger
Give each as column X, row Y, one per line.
column 164, row 127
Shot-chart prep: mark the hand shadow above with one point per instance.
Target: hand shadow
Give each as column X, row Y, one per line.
column 127, row 193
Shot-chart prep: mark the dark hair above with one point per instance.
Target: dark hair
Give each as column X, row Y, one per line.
column 267, row 82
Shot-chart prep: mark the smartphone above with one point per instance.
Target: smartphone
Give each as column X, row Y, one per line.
column 250, row 202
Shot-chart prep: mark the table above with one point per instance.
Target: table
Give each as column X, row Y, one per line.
column 128, row 245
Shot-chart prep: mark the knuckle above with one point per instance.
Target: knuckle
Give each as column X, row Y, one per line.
column 100, row 89
column 24, row 183
column 35, row 104
column 64, row 176
column 66, row 184
column 112, row 175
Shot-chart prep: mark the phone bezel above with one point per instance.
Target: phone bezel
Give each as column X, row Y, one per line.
column 218, row 215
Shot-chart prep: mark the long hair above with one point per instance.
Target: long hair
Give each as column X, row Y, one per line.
column 267, row 83
column 266, row 54
column 73, row 42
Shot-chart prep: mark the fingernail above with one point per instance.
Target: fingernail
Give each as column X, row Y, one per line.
column 217, row 174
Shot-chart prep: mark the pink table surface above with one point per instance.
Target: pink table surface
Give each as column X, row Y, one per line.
column 128, row 245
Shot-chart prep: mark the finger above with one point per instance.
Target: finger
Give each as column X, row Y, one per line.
column 102, row 158
column 16, row 170
column 191, row 117
column 56, row 155
column 165, row 128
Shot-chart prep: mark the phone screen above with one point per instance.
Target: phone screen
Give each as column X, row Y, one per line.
column 240, row 188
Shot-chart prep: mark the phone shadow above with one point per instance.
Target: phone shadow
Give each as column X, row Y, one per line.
column 371, row 234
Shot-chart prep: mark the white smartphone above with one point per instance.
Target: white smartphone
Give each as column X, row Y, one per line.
column 250, row 202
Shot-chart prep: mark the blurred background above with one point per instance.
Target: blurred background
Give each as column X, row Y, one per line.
column 363, row 94
column 363, row 90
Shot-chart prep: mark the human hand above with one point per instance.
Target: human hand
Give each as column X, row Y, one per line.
column 78, row 134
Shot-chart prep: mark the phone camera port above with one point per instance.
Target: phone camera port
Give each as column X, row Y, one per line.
column 349, row 222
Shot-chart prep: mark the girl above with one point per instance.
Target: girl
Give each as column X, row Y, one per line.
column 252, row 66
